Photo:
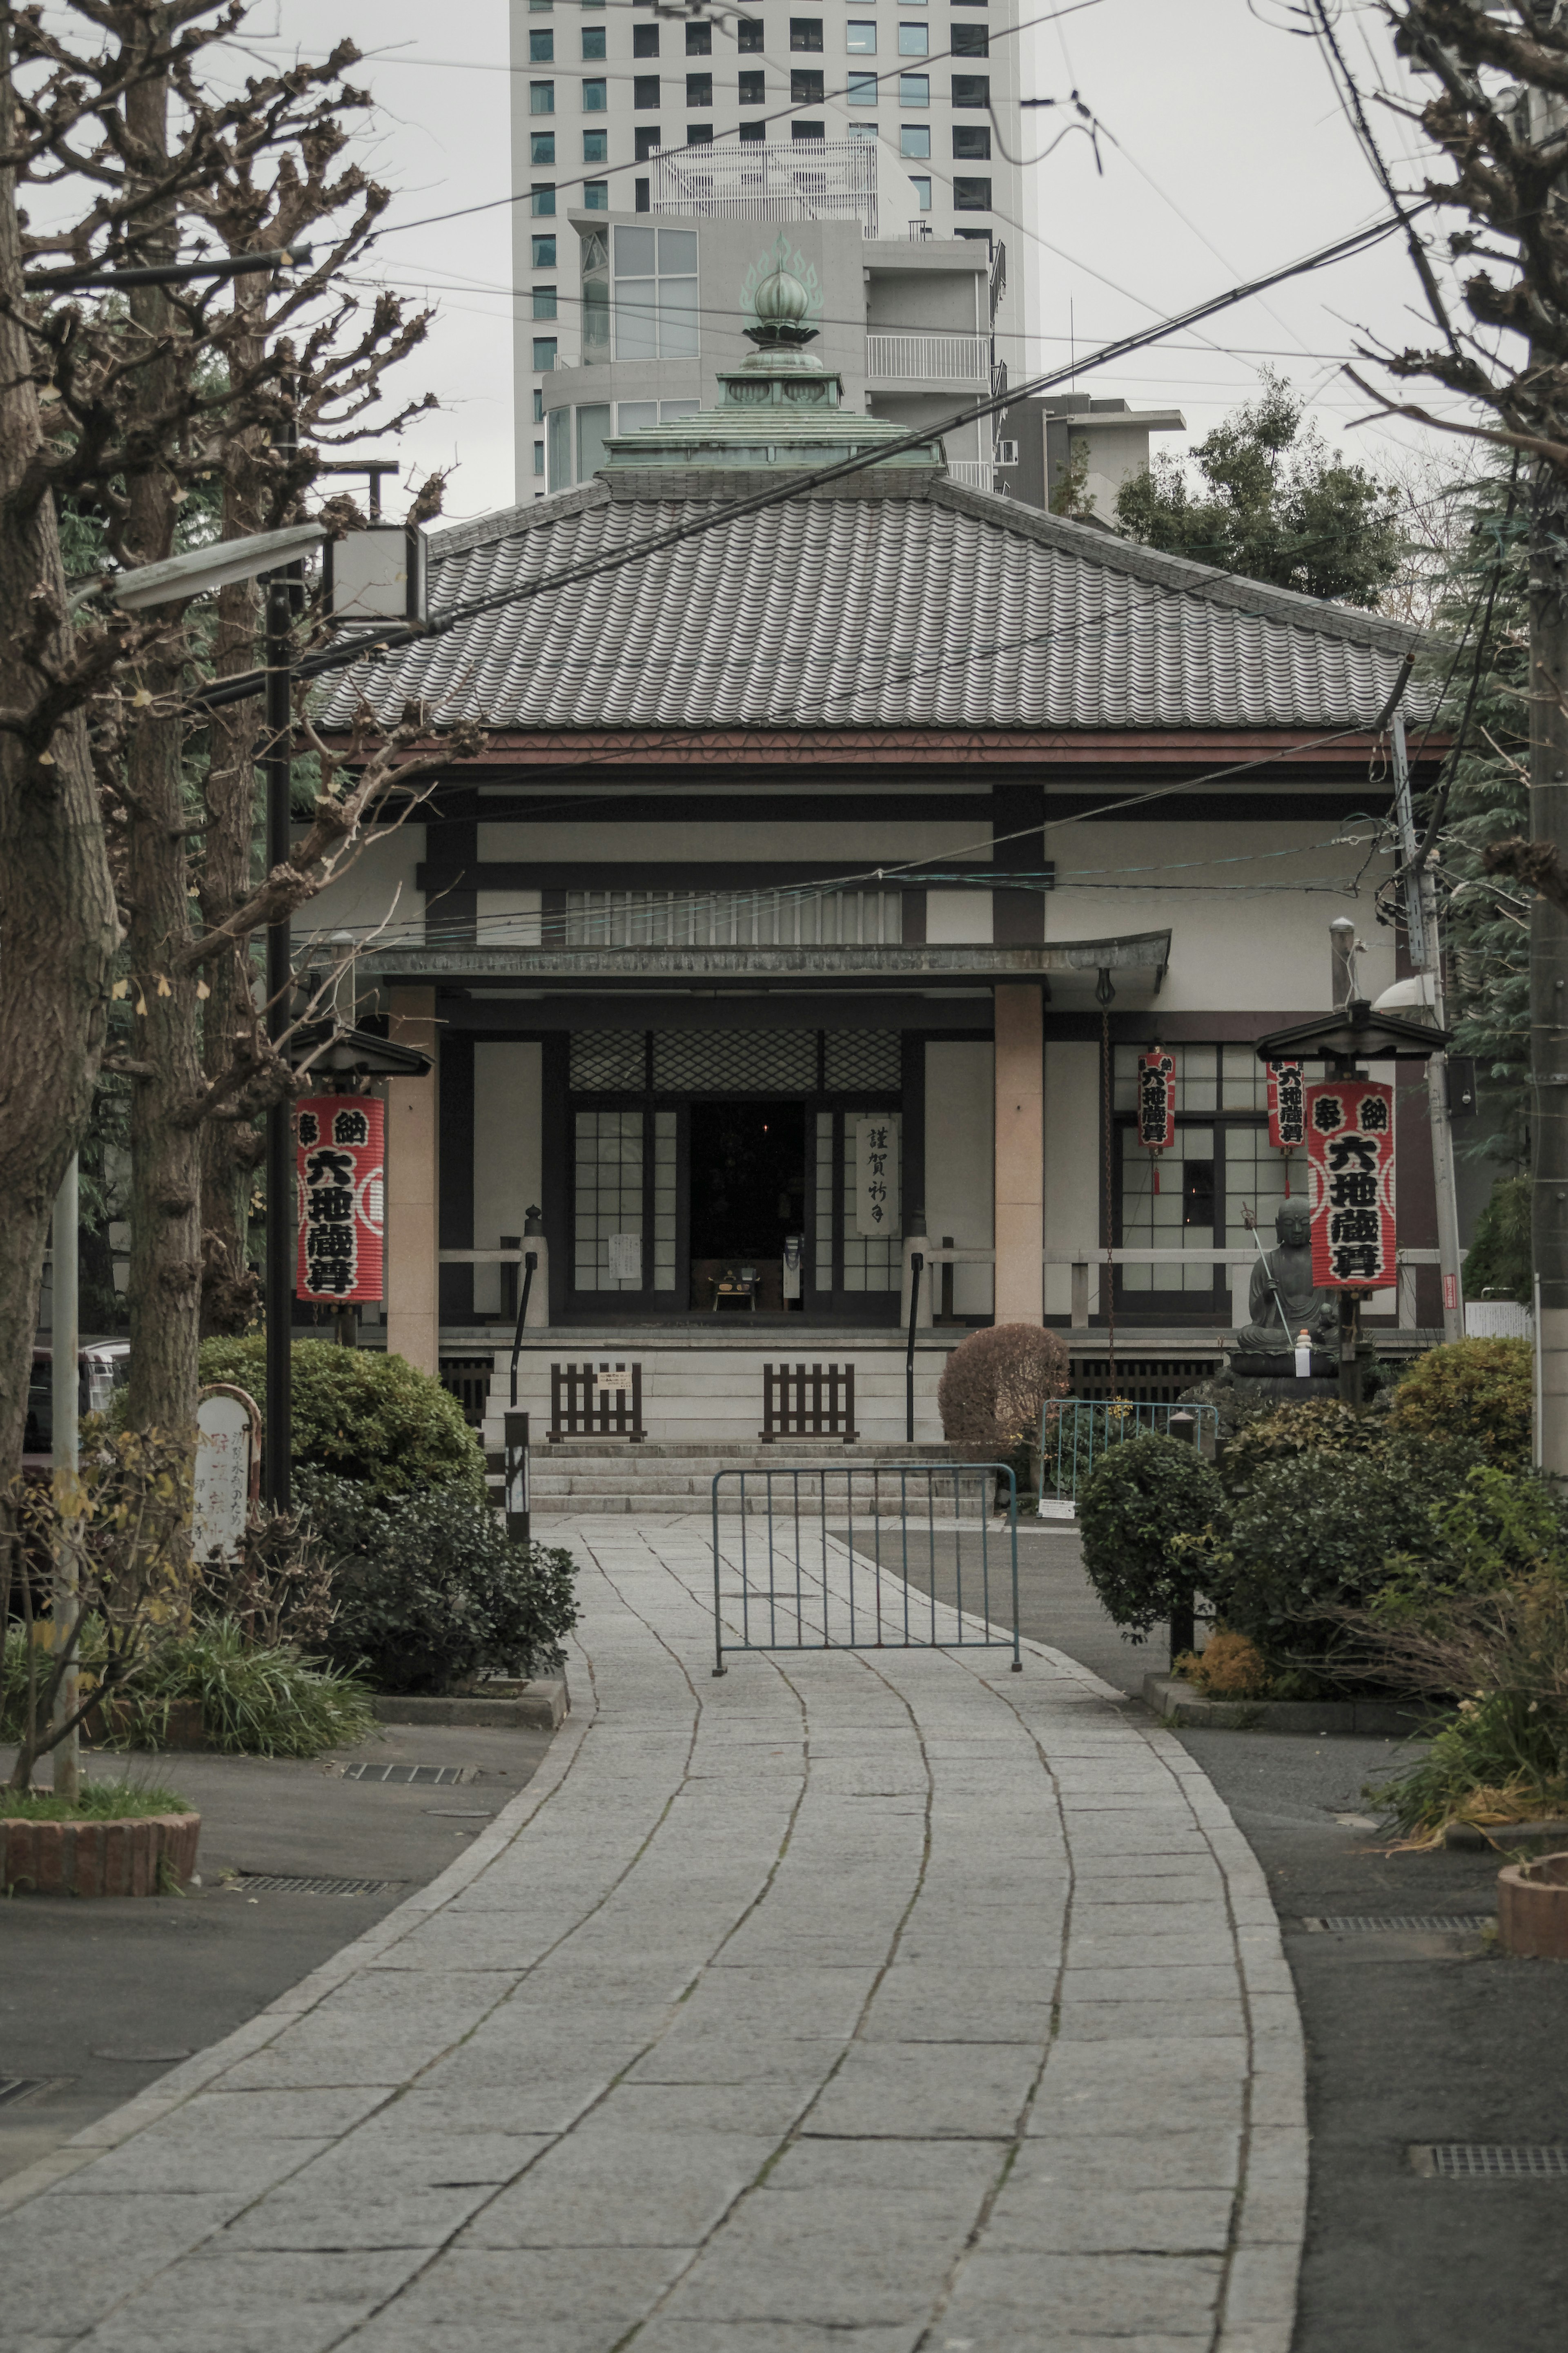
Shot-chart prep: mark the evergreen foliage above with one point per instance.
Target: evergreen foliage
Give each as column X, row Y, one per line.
column 1147, row 1504
column 1499, row 1263
column 1276, row 505
column 365, row 1414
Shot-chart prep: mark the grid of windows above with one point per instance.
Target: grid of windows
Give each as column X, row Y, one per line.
column 664, row 1191
column 608, row 1195
column 824, row 1174
column 1221, row 1166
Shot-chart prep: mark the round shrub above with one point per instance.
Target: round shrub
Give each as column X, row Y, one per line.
column 430, row 1591
column 995, row 1387
column 363, row 1415
column 1480, row 1390
column 1308, row 1538
column 1146, row 1504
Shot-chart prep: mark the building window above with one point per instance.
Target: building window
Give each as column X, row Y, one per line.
column 593, row 432
column 636, row 415
column 645, row 140
column 644, row 93
column 974, row 142
column 808, row 131
column 971, row 195
column 645, row 40
column 914, row 40
column 595, row 96
column 914, row 139
column 542, row 49
column 542, row 200
column 545, row 301
column 860, row 41
column 596, row 146
column 538, row 406
column 699, row 89
column 862, row 131
column 699, row 40
column 752, row 91
column 541, row 7
column 914, row 89
column 750, row 43
column 654, row 295
column 595, row 195
column 972, row 89
column 806, row 88
column 558, row 425
column 970, row 41
column 805, row 32
column 699, row 134
column 539, row 457
column 541, row 147
column 542, row 97
column 922, row 194
column 862, row 90
column 642, row 196
column 593, row 42
column 543, row 354
column 752, row 131
column 544, row 253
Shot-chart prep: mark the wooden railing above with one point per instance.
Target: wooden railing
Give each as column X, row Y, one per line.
column 808, row 1401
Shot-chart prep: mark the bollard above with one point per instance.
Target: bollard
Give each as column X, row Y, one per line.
column 1183, row 1427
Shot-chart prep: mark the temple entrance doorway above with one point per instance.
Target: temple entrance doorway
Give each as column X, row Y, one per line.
column 748, row 1194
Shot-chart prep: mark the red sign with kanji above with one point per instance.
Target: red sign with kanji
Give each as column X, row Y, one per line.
column 340, row 1158
column 1287, row 1106
column 1349, row 1155
column 1156, row 1101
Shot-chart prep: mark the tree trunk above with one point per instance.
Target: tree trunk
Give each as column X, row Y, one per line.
column 56, row 902
column 165, row 1152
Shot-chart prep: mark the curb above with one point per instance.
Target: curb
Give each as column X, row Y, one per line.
column 538, row 1706
column 1176, row 1702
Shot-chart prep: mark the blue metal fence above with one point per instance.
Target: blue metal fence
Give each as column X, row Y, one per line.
column 1075, row 1432
column 850, row 1557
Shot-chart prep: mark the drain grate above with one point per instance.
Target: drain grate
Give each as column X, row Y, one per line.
column 1389, row 1924
column 1470, row 2160
column 433, row 1776
column 283, row 1883
column 21, row 2091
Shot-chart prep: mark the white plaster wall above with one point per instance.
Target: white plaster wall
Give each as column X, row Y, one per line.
column 508, row 1077
column 507, row 918
column 960, row 1149
column 377, row 889
column 959, row 917
column 888, row 841
column 1072, row 1163
column 1232, row 947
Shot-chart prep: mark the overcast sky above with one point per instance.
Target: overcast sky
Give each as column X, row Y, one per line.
column 1225, row 152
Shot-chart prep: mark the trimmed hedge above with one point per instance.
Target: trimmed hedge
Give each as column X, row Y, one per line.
column 363, row 1415
column 1147, row 1504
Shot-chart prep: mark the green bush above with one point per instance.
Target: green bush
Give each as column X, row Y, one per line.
column 1323, row 1425
column 431, row 1591
column 1502, row 1528
column 363, row 1415
column 254, row 1701
column 1479, row 1389
column 1499, row 1261
column 1141, row 1516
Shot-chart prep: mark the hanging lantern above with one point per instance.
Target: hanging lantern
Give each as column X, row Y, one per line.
column 1287, row 1111
column 1350, row 1160
column 340, row 1160
column 1156, row 1105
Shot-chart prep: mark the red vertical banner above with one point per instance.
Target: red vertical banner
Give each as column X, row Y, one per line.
column 1156, row 1105
column 1350, row 1158
column 339, row 1160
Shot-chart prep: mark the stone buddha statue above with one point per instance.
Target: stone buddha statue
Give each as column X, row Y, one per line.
column 1284, row 1279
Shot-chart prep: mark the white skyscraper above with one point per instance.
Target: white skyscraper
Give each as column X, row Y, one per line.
column 896, row 117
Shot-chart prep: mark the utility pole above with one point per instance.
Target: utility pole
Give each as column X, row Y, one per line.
column 1426, row 956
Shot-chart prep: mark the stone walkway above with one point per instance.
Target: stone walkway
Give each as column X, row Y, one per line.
column 869, row 2001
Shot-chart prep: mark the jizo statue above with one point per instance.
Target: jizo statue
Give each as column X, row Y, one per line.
column 1283, row 1281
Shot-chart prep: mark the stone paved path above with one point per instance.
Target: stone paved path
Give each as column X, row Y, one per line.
column 871, row 2002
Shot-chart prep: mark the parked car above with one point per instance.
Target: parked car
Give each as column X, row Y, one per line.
column 102, row 1366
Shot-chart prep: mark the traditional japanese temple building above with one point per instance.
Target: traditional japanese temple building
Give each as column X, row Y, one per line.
column 894, row 808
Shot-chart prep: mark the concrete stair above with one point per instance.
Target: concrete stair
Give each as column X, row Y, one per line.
column 592, row 1475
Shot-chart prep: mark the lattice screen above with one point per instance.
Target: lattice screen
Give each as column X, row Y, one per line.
column 861, row 1058
column 734, row 1062
column 607, row 1061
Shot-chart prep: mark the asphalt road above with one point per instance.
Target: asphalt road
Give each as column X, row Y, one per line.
column 1411, row 2038
column 98, row 1998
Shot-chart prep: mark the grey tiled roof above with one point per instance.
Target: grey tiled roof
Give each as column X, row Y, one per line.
column 915, row 604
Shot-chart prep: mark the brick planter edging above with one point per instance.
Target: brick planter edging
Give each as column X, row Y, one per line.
column 96, row 1858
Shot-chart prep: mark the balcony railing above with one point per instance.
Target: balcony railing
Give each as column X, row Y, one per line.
column 977, row 474
column 949, row 359
column 765, row 180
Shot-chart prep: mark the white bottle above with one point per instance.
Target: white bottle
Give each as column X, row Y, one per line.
column 1304, row 1355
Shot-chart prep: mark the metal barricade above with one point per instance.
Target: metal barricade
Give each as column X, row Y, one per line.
column 867, row 1556
column 1075, row 1432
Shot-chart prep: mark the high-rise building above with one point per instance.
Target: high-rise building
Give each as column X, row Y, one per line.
column 889, row 124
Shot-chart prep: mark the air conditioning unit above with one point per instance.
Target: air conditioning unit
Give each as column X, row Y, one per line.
column 1007, row 453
